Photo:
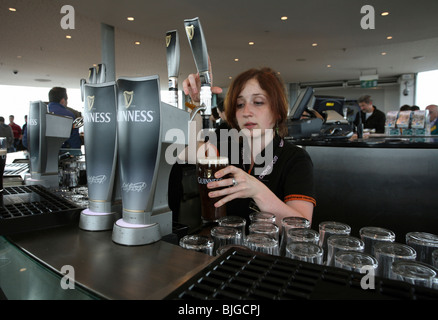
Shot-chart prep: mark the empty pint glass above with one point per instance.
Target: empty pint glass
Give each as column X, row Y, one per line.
column 424, row 244
column 387, row 253
column 372, row 235
column 206, row 169
column 329, row 228
column 413, row 272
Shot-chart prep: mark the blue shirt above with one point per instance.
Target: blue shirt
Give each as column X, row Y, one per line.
column 74, row 141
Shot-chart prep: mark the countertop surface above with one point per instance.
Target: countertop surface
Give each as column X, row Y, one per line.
column 110, row 270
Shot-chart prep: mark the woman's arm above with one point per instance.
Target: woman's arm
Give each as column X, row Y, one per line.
column 250, row 187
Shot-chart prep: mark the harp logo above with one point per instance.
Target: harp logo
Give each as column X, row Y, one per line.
column 190, row 31
column 90, row 102
column 128, row 95
column 168, row 39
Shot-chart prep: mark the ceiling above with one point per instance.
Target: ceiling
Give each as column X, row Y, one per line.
column 35, row 52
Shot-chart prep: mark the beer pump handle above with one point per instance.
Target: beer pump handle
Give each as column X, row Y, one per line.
column 92, row 75
column 101, row 73
column 82, row 86
column 198, row 45
column 173, row 59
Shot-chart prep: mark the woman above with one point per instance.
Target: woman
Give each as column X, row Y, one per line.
column 256, row 104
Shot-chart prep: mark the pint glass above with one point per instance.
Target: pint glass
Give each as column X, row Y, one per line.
column 206, row 169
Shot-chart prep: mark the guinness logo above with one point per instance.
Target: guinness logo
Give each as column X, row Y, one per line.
column 128, row 95
column 90, row 102
column 168, row 39
column 190, row 31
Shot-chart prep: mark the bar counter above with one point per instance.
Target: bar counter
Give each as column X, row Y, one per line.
column 102, row 269
column 388, row 182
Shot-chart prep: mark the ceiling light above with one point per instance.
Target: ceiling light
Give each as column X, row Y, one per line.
column 230, row 77
column 251, row 43
column 283, row 18
column 236, row 59
column 383, row 53
column 130, row 18
column 384, row 14
column 314, row 44
column 68, row 36
column 329, row 66
column 12, row 9
column 137, row 43
column 389, row 37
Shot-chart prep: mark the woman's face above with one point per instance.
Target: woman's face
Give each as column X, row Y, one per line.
column 254, row 110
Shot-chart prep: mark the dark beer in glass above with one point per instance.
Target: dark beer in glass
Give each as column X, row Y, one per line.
column 206, row 169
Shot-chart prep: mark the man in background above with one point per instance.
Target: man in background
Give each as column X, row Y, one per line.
column 16, row 130
column 6, row 132
column 58, row 105
column 372, row 118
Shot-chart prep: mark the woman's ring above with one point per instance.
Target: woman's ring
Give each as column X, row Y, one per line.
column 234, row 182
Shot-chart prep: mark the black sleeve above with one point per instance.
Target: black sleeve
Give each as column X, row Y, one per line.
column 299, row 183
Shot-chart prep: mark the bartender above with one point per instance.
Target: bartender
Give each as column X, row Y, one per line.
column 256, row 101
column 372, row 118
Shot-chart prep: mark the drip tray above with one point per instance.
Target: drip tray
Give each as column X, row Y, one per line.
column 242, row 275
column 28, row 208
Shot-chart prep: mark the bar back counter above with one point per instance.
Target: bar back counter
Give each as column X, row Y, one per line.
column 382, row 182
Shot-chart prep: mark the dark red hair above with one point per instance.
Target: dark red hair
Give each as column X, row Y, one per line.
column 269, row 82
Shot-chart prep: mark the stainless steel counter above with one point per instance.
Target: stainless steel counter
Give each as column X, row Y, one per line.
column 109, row 270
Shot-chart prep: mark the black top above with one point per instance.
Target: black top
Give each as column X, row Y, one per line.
column 376, row 120
column 291, row 177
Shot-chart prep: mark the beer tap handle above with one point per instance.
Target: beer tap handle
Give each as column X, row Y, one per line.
column 198, row 45
column 173, row 59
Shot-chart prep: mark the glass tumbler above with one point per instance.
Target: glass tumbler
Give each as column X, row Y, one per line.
column 267, row 228
column 223, row 236
column 261, row 217
column 305, row 251
column 302, row 235
column 287, row 224
column 329, row 228
column 342, row 243
column 233, row 222
column 388, row 252
column 197, row 243
column 413, row 272
column 423, row 243
column 355, row 261
column 264, row 243
column 435, row 258
column 371, row 235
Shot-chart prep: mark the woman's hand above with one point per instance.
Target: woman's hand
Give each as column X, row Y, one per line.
column 239, row 183
column 192, row 85
column 242, row 185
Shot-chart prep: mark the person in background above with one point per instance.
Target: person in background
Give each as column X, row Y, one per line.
column 6, row 131
column 23, row 137
column 372, row 118
column 433, row 114
column 16, row 130
column 58, row 105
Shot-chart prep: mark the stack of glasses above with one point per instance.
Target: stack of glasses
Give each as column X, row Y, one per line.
column 415, row 261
